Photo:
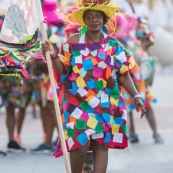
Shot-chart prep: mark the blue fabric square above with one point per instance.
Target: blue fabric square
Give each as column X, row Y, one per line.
column 105, row 105
column 108, row 137
column 108, row 91
column 106, row 117
column 101, row 56
column 118, row 121
column 87, row 64
column 74, row 89
column 73, row 61
column 121, row 102
column 63, row 78
column 82, row 138
column 119, row 49
column 64, row 126
column 90, row 110
column 91, row 84
column 66, row 116
column 99, row 118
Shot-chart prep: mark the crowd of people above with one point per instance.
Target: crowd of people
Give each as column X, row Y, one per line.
column 92, row 81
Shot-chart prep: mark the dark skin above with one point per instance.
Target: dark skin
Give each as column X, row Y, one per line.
column 77, row 157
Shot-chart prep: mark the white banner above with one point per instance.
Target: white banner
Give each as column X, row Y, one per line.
column 21, row 21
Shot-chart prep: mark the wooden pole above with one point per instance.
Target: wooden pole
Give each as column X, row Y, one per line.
column 55, row 97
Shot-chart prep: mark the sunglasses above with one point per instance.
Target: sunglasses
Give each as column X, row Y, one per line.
column 90, row 17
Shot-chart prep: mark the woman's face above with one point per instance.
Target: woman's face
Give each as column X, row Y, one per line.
column 93, row 20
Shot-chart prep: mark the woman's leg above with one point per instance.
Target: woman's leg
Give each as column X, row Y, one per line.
column 42, row 117
column 50, row 124
column 20, row 119
column 152, row 122
column 100, row 153
column 133, row 138
column 77, row 158
column 10, row 121
column 151, row 119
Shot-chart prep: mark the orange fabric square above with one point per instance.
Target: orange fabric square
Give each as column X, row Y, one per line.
column 72, row 119
column 109, row 51
column 90, row 93
column 108, row 72
column 62, row 118
column 94, row 61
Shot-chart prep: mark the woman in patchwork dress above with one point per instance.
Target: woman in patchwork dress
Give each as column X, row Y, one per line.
column 92, row 68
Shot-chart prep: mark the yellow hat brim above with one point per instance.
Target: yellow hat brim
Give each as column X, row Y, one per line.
column 77, row 15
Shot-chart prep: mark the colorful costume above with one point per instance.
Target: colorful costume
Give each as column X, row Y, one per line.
column 93, row 106
column 133, row 42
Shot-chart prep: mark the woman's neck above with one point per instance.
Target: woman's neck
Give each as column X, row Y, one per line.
column 94, row 36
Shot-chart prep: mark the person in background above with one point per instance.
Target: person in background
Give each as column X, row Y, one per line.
column 15, row 96
column 54, row 26
column 137, row 37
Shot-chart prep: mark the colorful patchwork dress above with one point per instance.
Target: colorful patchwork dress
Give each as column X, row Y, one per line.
column 93, row 107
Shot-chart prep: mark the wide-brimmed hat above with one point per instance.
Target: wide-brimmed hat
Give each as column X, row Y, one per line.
column 106, row 6
column 52, row 12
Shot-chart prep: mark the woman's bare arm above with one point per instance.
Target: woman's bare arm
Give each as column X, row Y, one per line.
column 128, row 85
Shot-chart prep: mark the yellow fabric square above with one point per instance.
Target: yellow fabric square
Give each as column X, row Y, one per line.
column 80, row 82
column 92, row 122
column 132, row 62
column 65, row 135
column 115, row 128
column 123, row 69
column 114, row 101
column 75, row 69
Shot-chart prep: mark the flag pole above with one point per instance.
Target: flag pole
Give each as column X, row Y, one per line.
column 53, row 85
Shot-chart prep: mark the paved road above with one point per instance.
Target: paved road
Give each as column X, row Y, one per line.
column 144, row 157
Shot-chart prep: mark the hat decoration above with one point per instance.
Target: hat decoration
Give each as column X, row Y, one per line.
column 52, row 12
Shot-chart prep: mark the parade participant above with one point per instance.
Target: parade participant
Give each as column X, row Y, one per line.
column 14, row 96
column 145, row 41
column 54, row 24
column 93, row 67
column 139, row 45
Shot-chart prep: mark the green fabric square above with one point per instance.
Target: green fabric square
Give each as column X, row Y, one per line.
column 69, row 68
column 80, row 125
column 70, row 132
column 84, row 105
column 76, row 53
column 115, row 93
column 99, row 128
column 99, row 85
column 113, row 43
column 124, row 129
